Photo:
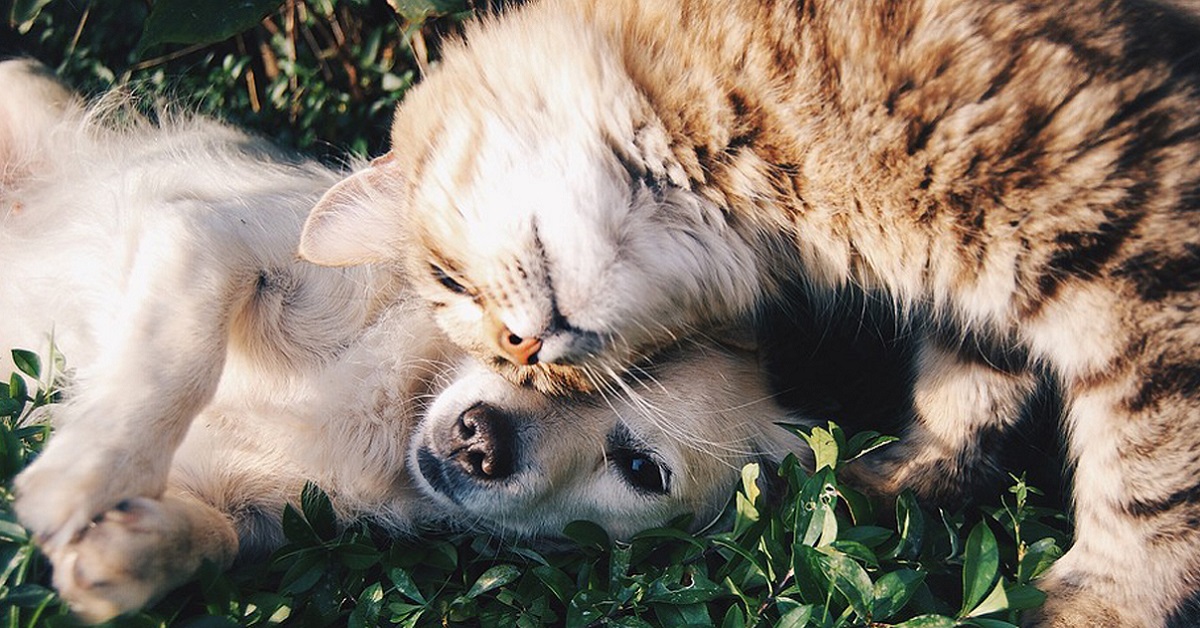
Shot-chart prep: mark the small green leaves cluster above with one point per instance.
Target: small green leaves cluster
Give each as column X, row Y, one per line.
column 24, row 594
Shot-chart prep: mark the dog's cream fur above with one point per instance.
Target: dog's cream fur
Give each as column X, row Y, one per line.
column 211, row 373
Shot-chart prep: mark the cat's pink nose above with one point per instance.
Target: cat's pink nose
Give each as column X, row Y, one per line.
column 523, row 351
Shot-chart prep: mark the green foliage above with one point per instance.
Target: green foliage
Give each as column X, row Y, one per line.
column 24, row 593
column 317, row 75
column 826, row 557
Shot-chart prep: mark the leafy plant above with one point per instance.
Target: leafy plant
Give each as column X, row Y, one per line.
column 827, row 556
column 24, row 595
column 317, row 75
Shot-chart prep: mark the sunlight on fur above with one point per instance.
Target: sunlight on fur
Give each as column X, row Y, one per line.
column 211, row 372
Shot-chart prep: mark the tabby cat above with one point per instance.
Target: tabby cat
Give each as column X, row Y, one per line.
column 582, row 182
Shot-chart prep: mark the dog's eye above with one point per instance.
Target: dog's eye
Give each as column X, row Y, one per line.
column 640, row 468
column 447, row 281
column 643, row 472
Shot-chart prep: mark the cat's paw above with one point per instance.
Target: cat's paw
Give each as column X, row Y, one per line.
column 1089, row 599
column 1078, row 609
column 937, row 480
column 136, row 552
column 71, row 483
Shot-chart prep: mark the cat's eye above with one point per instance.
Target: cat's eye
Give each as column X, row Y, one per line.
column 447, row 281
column 640, row 468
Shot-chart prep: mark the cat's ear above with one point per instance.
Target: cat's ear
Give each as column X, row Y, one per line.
column 32, row 103
column 358, row 221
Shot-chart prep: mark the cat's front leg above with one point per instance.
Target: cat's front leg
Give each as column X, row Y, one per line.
column 1135, row 560
column 960, row 401
column 138, row 551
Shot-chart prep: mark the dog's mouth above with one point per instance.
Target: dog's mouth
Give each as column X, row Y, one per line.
column 435, row 474
column 444, row 481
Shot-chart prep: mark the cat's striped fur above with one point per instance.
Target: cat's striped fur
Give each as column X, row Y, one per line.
column 582, row 182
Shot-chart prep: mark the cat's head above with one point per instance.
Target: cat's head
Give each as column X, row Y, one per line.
column 540, row 209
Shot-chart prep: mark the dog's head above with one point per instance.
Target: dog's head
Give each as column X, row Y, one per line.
column 669, row 443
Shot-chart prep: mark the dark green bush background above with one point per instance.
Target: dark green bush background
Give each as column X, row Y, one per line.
column 319, row 75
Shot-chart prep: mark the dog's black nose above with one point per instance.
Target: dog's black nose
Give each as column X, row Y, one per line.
column 483, row 442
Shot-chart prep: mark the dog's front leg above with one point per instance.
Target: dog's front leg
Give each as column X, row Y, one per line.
column 161, row 353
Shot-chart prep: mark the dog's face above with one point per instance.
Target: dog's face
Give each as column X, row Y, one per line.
column 512, row 460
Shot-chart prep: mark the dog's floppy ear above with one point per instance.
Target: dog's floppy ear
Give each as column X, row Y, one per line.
column 358, row 221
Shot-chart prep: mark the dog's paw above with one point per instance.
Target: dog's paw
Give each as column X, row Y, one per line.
column 136, row 552
column 71, row 483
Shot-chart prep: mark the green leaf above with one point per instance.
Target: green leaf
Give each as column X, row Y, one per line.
column 421, row 10
column 910, row 523
column 16, row 388
column 24, row 12
column 746, row 500
column 735, row 617
column 893, row 590
column 808, row 565
column 201, row 21
column 367, row 611
column 1037, row 559
column 694, row 590
column 10, row 407
column 303, row 574
column 928, row 621
column 493, row 578
column 674, row 534
column 12, row 532
column 405, row 585
column 558, row 582
column 861, row 509
column 584, row 608
column 27, row 595
column 405, row 615
column 27, row 362
column 587, row 534
column 793, row 615
column 852, row 581
column 296, row 529
column 750, row 473
column 357, row 555
column 981, row 565
column 995, row 601
column 318, row 511
column 865, row 442
column 618, row 564
column 824, row 447
column 871, row 536
column 814, row 505
column 990, row 623
column 670, row 615
column 1024, row 597
column 856, row 550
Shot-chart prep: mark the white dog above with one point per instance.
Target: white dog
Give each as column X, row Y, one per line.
column 212, row 373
